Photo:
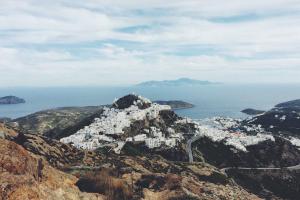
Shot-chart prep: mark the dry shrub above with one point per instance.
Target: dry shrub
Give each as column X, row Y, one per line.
column 16, row 160
column 158, row 182
column 173, row 181
column 104, row 183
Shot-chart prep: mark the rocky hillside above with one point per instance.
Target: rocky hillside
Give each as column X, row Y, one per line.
column 271, row 183
column 56, row 123
column 155, row 129
column 283, row 122
column 131, row 119
column 134, row 119
column 24, row 175
column 103, row 174
column 283, row 119
column 6, row 132
column 137, row 149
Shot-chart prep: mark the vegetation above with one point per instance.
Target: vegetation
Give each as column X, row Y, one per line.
column 104, row 182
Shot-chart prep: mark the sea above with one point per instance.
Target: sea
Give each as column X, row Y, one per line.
column 226, row 100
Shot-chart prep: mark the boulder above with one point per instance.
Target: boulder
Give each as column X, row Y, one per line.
column 131, row 99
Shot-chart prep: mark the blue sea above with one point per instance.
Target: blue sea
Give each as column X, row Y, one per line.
column 225, row 100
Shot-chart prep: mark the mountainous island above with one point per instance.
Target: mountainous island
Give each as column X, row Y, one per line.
column 138, row 149
column 11, row 100
column 177, row 82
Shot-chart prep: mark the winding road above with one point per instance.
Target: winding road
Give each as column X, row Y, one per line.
column 191, row 159
column 189, row 146
column 290, row 168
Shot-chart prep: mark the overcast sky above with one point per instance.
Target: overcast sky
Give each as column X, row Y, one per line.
column 102, row 42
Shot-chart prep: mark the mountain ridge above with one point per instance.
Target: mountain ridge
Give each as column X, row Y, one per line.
column 176, row 82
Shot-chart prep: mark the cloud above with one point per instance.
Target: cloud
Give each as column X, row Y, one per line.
column 122, row 42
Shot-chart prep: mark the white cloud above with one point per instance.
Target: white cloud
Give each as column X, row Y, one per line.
column 50, row 43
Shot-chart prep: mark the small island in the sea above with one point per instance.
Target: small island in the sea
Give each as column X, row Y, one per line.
column 251, row 111
column 11, row 100
column 175, row 105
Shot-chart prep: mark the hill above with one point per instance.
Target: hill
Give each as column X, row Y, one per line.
column 137, row 149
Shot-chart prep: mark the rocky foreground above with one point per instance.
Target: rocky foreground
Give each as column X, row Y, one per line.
column 36, row 167
column 136, row 149
column 27, row 176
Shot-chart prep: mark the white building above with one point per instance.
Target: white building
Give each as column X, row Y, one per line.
column 153, row 142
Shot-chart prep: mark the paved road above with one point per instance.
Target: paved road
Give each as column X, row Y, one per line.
column 189, row 147
column 291, row 168
column 83, row 167
column 191, row 159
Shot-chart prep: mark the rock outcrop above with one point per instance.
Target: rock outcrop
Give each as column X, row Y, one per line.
column 26, row 176
column 130, row 100
column 6, row 132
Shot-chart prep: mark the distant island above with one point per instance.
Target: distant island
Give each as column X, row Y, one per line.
column 250, row 111
column 175, row 105
column 11, row 100
column 177, row 82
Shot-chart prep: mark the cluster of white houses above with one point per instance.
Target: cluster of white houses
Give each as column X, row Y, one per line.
column 113, row 122
column 219, row 129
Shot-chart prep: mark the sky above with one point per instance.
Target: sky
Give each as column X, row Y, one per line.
column 123, row 42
